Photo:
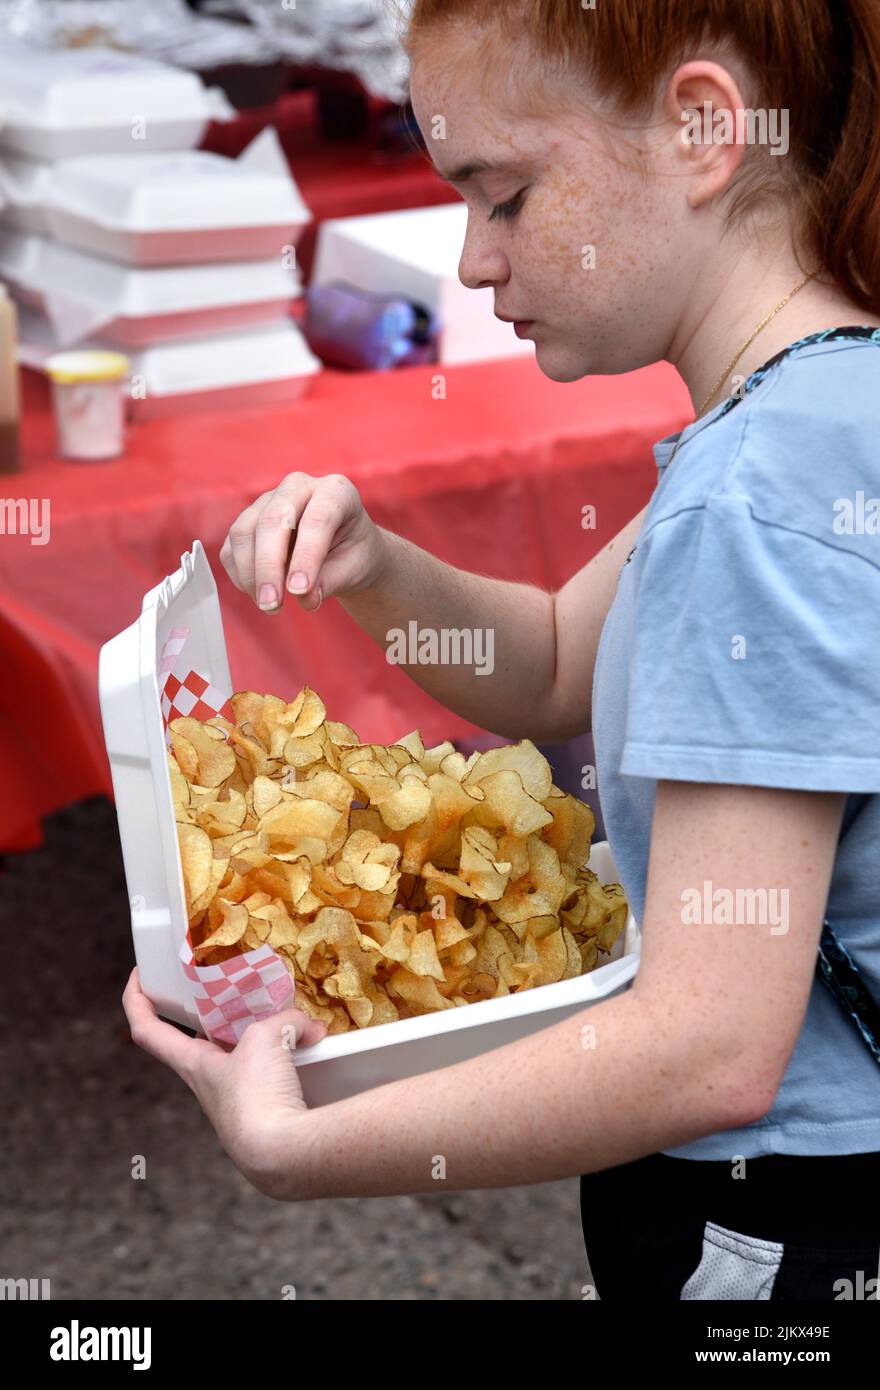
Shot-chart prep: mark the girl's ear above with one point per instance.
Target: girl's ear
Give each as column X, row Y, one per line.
column 703, row 100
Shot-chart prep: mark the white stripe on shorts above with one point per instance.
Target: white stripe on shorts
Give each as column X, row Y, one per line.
column 734, row 1266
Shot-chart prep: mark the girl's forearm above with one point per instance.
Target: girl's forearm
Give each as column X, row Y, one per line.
column 552, row 1105
column 502, row 670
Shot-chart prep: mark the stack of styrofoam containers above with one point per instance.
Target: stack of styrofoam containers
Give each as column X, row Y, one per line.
column 343, row 1064
column 117, row 231
column 416, row 253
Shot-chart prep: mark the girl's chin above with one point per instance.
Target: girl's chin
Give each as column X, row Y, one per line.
column 559, row 365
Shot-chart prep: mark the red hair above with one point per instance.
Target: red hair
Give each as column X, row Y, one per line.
column 817, row 59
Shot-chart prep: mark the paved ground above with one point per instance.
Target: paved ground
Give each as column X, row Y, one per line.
column 79, row 1099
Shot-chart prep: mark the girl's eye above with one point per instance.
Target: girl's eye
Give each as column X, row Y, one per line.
column 509, row 209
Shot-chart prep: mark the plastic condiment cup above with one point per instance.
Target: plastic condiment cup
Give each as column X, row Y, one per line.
column 88, row 396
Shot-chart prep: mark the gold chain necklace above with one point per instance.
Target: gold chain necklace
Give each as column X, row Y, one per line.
column 750, row 341
column 744, row 348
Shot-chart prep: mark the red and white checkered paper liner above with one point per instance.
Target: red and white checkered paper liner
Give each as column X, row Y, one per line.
column 256, row 984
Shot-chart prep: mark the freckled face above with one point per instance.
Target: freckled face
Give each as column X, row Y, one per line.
column 566, row 227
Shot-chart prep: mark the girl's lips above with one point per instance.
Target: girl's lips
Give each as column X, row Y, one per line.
column 522, row 326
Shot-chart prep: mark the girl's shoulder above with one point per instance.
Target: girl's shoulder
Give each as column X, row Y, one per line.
column 798, row 446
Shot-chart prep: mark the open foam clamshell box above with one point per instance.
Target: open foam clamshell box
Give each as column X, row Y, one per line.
column 145, row 677
column 57, row 103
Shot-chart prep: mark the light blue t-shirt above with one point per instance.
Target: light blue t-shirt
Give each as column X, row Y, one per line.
column 762, row 527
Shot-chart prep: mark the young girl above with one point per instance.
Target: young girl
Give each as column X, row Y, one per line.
column 696, row 181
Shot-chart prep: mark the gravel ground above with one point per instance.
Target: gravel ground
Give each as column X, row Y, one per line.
column 80, row 1100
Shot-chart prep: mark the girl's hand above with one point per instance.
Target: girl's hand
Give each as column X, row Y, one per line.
column 250, row 1092
column 338, row 548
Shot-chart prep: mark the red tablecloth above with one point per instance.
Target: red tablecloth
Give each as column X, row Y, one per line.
column 493, row 479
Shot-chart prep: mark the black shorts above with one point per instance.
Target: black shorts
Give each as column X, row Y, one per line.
column 792, row 1228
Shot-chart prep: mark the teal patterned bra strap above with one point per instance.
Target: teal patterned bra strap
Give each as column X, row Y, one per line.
column 837, row 969
column 830, row 335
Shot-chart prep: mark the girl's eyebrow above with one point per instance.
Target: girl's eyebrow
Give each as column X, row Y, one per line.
column 469, row 170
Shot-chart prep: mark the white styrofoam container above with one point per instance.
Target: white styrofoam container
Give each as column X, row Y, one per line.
column 164, row 209
column 268, row 365
column 343, row 1064
column 128, row 688
column 130, row 306
column 57, row 103
column 20, row 260
column 260, row 366
column 175, row 207
column 184, row 207
column 416, row 253
column 26, row 185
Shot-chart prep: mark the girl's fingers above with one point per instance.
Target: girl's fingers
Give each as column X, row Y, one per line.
column 313, row 1032
column 290, row 1029
column 161, row 1040
column 241, row 543
column 255, row 552
column 329, row 508
column 227, row 560
column 336, row 575
column 274, row 526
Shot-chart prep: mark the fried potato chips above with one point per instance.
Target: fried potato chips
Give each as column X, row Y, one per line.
column 392, row 881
